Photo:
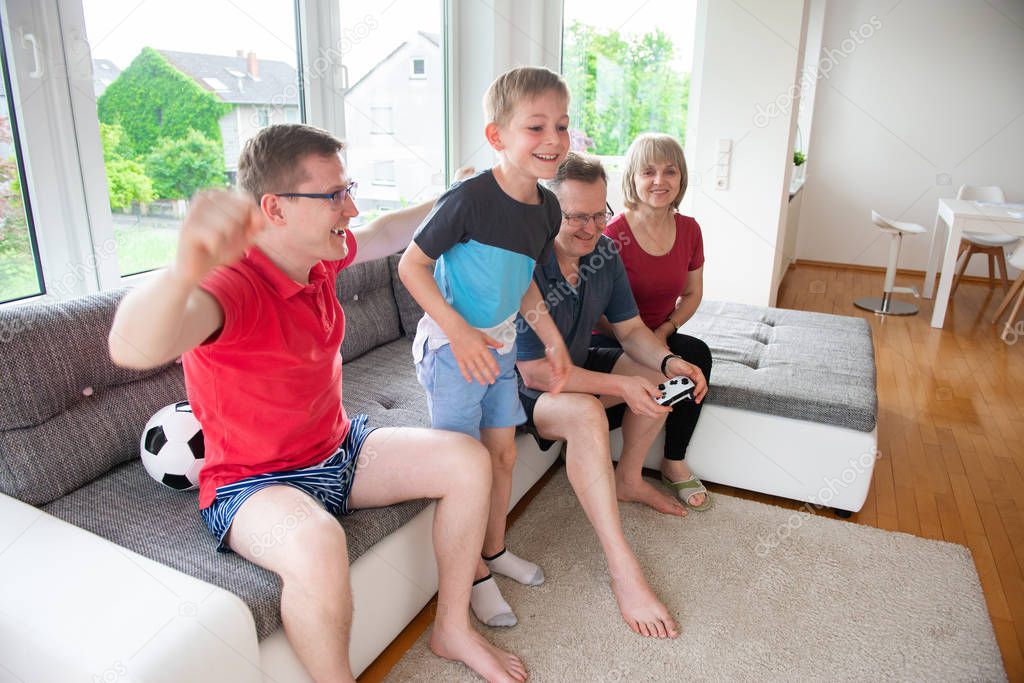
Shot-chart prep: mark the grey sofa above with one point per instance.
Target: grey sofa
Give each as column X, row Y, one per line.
column 70, row 423
column 104, row 571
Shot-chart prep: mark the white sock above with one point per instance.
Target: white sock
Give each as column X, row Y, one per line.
column 515, row 567
column 488, row 605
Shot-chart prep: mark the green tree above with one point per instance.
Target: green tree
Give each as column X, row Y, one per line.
column 181, row 167
column 127, row 181
column 152, row 101
column 623, row 86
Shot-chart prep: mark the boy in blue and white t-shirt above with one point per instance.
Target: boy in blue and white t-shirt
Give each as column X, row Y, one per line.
column 470, row 267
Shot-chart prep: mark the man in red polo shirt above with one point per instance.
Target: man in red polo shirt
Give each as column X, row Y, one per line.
column 249, row 303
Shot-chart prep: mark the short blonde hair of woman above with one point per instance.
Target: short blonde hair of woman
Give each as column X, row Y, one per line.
column 652, row 148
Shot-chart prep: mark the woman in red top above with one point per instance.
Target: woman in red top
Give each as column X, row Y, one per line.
column 664, row 257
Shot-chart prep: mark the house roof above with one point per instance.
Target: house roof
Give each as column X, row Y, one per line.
column 431, row 37
column 104, row 72
column 228, row 78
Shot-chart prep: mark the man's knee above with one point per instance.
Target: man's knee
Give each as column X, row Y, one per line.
column 466, row 463
column 318, row 550
column 589, row 421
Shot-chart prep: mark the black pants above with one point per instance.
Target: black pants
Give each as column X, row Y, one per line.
column 682, row 420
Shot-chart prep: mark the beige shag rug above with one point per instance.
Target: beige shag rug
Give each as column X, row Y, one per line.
column 760, row 593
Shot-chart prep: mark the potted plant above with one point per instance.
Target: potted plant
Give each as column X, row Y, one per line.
column 799, row 158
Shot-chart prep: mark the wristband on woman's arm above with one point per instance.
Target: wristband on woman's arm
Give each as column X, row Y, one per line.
column 665, row 360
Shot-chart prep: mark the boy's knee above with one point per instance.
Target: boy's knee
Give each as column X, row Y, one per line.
column 504, row 457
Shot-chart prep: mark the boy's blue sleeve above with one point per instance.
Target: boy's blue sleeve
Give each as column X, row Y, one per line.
column 445, row 225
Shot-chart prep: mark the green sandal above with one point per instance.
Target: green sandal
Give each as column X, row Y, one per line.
column 686, row 489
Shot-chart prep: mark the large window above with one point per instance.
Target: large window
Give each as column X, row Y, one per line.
column 126, row 108
column 628, row 68
column 180, row 85
column 20, row 274
column 394, row 103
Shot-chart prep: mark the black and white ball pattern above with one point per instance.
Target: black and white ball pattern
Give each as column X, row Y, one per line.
column 172, row 447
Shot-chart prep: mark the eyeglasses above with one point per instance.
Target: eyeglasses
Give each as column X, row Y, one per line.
column 335, row 199
column 580, row 220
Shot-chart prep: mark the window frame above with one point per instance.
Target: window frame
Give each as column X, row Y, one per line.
column 384, row 182
column 58, row 129
column 12, row 118
column 386, row 127
column 412, row 69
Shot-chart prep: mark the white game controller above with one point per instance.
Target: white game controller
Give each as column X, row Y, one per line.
column 675, row 390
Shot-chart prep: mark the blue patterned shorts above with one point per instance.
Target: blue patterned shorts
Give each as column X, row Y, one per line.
column 329, row 482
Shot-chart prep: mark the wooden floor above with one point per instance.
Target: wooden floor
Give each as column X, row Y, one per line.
column 950, row 435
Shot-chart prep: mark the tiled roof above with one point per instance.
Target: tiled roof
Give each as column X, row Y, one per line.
column 228, row 78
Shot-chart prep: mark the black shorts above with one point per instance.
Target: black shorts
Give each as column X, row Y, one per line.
column 599, row 359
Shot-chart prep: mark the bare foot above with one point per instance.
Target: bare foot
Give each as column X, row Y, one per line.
column 644, row 492
column 676, row 470
column 640, row 607
column 472, row 649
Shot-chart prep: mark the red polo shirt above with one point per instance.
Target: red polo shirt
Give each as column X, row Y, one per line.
column 267, row 387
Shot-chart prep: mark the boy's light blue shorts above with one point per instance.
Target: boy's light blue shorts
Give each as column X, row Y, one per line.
column 468, row 407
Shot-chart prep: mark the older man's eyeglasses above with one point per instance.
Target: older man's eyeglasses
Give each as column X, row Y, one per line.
column 335, row 199
column 580, row 220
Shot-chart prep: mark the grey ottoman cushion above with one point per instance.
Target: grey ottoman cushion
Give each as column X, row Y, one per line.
column 67, row 413
column 371, row 314
column 808, row 366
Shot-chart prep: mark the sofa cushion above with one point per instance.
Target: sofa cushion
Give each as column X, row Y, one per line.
column 67, row 413
column 371, row 314
column 808, row 366
column 383, row 385
column 408, row 310
column 133, row 511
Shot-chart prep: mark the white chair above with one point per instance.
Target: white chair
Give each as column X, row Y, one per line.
column 886, row 305
column 973, row 243
column 1017, row 261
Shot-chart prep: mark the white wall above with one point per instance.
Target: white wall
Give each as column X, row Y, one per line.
column 747, row 57
column 488, row 39
column 931, row 100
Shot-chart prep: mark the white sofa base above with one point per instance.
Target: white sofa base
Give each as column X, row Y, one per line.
column 807, row 461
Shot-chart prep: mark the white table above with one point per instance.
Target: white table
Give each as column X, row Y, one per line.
column 960, row 215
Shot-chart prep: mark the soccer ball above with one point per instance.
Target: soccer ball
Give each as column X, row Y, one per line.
column 172, row 447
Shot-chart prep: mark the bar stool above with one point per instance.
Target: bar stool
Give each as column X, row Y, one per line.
column 886, row 305
column 991, row 245
column 1017, row 261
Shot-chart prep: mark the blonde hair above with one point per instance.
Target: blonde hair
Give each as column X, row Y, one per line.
column 647, row 149
column 515, row 86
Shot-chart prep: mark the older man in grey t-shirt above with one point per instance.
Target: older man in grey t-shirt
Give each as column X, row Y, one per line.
column 581, row 280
